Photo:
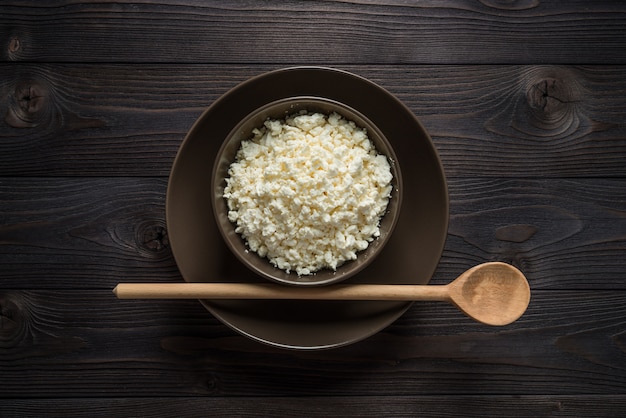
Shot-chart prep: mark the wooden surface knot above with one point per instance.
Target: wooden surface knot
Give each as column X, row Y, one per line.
column 36, row 102
column 212, row 383
column 552, row 103
column 516, row 233
column 14, row 47
column 30, row 105
column 13, row 321
column 152, row 236
column 511, row 4
column 549, row 105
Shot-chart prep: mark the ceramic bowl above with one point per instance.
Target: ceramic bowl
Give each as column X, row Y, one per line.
column 279, row 110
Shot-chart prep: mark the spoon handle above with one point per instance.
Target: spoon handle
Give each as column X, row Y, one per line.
column 271, row 291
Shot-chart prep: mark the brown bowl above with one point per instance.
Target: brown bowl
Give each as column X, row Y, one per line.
column 280, row 109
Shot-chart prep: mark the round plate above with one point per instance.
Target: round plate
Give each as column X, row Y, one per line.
column 410, row 257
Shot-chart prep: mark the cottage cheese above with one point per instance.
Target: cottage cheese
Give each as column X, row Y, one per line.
column 308, row 192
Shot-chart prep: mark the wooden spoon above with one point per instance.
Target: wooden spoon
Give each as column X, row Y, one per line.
column 492, row 293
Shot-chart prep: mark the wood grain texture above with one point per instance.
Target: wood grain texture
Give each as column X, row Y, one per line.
column 496, row 121
column 373, row 32
column 525, row 101
column 58, row 344
column 562, row 233
column 64, row 233
column 93, row 230
column 324, row 406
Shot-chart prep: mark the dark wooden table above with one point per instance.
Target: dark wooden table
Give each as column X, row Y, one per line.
column 525, row 101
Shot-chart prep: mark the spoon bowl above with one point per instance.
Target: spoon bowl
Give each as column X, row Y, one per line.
column 492, row 293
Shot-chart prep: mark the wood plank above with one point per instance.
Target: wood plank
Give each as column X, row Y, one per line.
column 79, row 343
column 65, row 233
column 398, row 32
column 496, row 121
column 59, row 232
column 563, row 233
column 323, row 406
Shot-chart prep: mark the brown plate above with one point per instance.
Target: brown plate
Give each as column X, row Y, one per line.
column 410, row 256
